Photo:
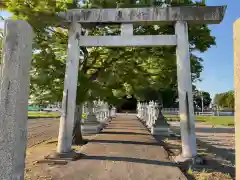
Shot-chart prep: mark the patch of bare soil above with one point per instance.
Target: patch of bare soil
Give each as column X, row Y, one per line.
column 42, row 171
column 34, row 171
column 40, row 130
column 211, row 176
column 212, row 168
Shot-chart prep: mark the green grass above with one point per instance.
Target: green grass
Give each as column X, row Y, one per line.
column 37, row 114
column 212, row 120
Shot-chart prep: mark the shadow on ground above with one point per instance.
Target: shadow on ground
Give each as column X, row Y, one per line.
column 212, row 165
column 124, row 133
column 128, row 159
column 124, row 142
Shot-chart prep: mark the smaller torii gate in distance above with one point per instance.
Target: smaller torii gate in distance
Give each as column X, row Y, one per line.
column 179, row 16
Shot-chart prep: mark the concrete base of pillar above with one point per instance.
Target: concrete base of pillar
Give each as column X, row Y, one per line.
column 91, row 128
column 61, row 158
column 160, row 130
column 197, row 160
column 91, row 125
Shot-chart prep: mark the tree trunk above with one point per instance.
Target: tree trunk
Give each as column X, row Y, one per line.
column 77, row 133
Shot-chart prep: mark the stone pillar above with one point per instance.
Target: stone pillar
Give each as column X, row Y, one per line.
column 160, row 126
column 70, row 89
column 236, row 35
column 149, row 114
column 91, row 125
column 14, row 94
column 186, row 111
column 107, row 111
column 104, row 112
column 141, row 111
column 145, row 112
column 114, row 111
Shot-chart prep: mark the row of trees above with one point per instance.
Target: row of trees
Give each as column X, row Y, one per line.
column 225, row 100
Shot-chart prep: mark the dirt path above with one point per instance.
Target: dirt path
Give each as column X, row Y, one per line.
column 40, row 130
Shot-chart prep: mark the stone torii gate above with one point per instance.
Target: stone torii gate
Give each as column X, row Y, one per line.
column 179, row 16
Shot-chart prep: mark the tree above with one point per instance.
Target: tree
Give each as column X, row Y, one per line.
column 110, row 73
column 198, row 96
column 225, row 100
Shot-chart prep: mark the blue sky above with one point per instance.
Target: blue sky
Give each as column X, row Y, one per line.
column 218, row 61
column 217, row 76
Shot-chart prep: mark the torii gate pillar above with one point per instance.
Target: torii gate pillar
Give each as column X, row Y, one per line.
column 70, row 90
column 186, row 110
column 236, row 36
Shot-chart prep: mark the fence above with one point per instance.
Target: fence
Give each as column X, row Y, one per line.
column 175, row 111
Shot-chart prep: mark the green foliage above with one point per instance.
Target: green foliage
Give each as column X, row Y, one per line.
column 34, row 114
column 198, row 96
column 84, row 116
column 225, row 100
column 105, row 73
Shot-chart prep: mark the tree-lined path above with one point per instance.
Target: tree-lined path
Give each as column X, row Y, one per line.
column 125, row 149
column 98, row 54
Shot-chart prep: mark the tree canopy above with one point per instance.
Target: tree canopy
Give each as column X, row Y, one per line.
column 198, row 96
column 225, row 100
column 108, row 73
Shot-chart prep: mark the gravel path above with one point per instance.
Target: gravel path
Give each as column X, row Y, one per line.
column 40, row 130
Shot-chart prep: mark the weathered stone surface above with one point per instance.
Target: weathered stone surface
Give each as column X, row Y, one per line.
column 208, row 14
column 160, row 126
column 14, row 93
column 116, row 41
column 186, row 111
column 69, row 94
column 236, row 30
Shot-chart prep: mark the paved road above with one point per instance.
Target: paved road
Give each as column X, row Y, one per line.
column 124, row 150
column 40, row 130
